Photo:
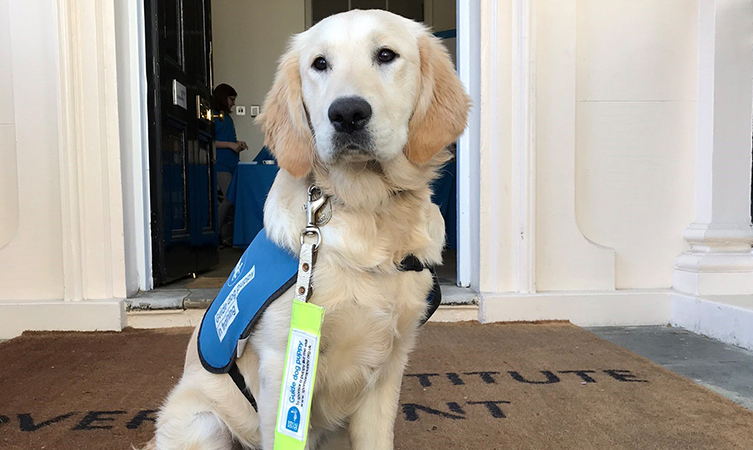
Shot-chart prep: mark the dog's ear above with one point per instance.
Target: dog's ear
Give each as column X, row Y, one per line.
column 284, row 121
column 441, row 111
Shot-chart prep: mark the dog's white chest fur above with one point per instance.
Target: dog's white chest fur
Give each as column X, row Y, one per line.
column 358, row 345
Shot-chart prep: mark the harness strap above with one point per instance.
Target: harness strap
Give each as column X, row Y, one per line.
column 239, row 381
column 436, row 297
column 409, row 264
column 412, row 264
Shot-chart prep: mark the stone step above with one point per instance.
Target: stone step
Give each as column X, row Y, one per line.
column 726, row 318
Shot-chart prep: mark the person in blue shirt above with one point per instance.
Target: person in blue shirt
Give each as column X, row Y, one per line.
column 228, row 148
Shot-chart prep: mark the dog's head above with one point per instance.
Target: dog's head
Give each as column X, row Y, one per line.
column 363, row 86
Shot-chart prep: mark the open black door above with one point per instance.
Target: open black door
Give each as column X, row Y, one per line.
column 185, row 235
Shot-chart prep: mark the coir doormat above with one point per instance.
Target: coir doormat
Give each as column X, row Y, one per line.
column 468, row 386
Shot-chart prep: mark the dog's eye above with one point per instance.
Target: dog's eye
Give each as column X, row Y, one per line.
column 320, row 64
column 386, row 55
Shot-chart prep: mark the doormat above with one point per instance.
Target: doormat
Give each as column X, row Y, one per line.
column 206, row 283
column 468, row 386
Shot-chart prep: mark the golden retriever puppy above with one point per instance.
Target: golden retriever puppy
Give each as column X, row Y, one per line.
column 363, row 105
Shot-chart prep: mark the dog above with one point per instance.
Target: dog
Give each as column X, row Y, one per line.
column 363, row 106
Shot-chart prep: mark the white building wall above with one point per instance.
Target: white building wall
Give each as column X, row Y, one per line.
column 588, row 143
column 8, row 164
column 31, row 256
column 565, row 259
column 636, row 121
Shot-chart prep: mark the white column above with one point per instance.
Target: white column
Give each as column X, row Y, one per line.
column 523, row 146
column 495, row 235
column 719, row 260
column 80, row 284
column 91, row 189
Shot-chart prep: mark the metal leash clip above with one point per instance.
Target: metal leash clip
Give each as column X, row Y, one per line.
column 316, row 200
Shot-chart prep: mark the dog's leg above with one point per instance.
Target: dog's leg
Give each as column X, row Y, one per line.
column 314, row 439
column 335, row 440
column 271, row 367
column 193, row 431
column 372, row 424
column 270, row 383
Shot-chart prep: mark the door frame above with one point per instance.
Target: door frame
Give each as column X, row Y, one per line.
column 130, row 25
column 468, row 190
column 136, row 185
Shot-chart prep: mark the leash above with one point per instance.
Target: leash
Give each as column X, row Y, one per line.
column 304, row 337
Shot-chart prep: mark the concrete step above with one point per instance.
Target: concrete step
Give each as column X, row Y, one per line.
column 726, row 318
column 170, row 318
column 185, row 298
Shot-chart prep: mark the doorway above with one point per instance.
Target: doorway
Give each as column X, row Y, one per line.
column 193, row 45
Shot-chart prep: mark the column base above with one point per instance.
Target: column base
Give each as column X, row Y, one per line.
column 583, row 308
column 720, row 261
column 711, row 280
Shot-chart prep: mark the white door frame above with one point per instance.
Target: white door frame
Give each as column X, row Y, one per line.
column 134, row 115
column 468, row 187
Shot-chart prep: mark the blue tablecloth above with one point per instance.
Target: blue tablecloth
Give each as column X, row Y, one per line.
column 248, row 192
column 251, row 183
column 444, row 195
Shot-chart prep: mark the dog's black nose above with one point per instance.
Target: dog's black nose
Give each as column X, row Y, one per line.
column 349, row 114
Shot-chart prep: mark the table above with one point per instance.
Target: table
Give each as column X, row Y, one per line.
column 444, row 195
column 248, row 192
column 251, row 183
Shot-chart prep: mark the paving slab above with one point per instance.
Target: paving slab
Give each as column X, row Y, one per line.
column 725, row 369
